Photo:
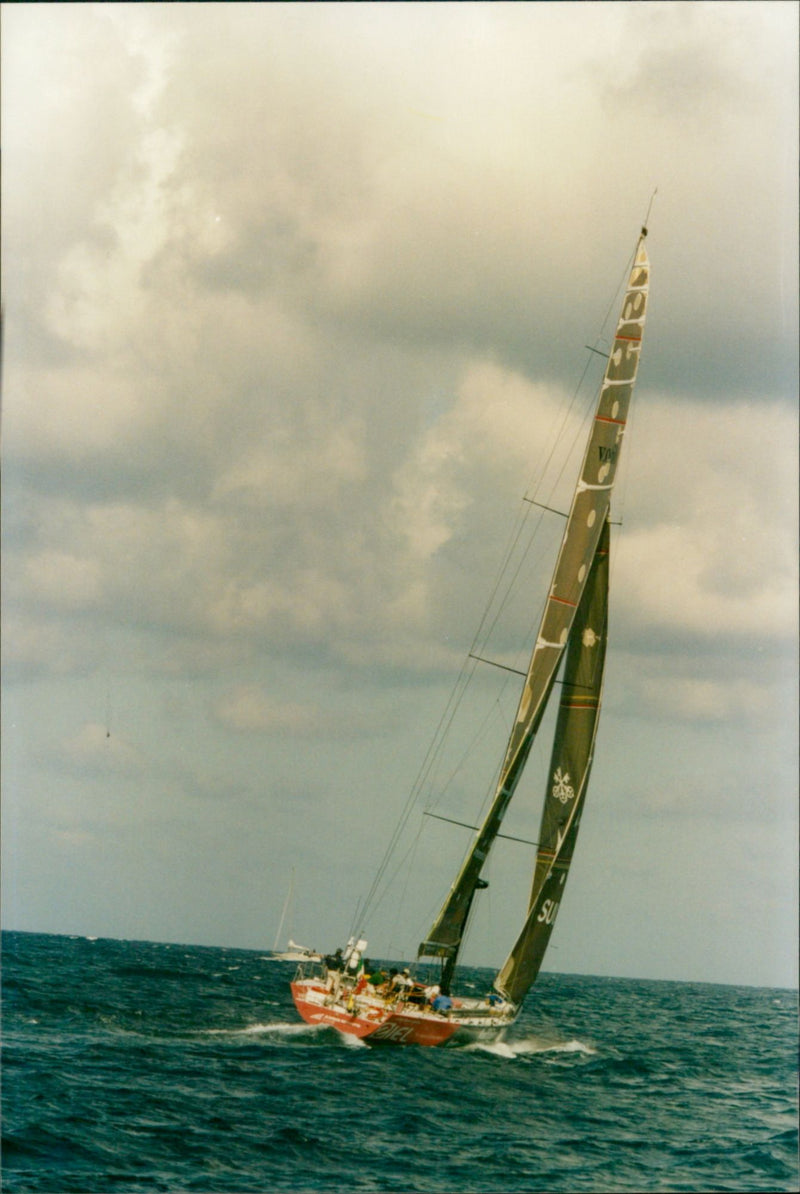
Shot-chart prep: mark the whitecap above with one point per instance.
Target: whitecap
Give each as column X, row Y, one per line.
column 520, row 1048
column 538, row 1045
column 497, row 1048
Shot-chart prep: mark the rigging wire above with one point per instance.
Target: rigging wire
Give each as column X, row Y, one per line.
column 537, row 614
column 467, row 668
column 472, row 746
column 408, row 857
column 522, row 518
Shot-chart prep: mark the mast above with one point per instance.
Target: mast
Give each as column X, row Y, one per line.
column 585, row 524
column 286, row 904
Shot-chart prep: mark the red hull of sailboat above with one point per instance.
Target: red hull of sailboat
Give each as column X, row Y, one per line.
column 373, row 1025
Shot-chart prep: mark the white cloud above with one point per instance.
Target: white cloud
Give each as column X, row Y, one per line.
column 296, row 470
column 699, row 698
column 249, row 709
column 713, row 551
column 60, row 579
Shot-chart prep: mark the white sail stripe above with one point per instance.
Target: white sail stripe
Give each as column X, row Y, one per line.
column 584, row 485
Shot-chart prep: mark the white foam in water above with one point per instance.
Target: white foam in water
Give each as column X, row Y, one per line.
column 498, row 1048
column 352, row 1042
column 281, row 1029
column 538, row 1045
column 284, row 1029
column 260, row 1029
column 512, row 1049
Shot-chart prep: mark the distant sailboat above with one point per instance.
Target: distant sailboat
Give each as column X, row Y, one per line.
column 293, row 951
column 573, row 631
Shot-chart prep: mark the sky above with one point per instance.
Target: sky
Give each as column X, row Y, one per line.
column 294, row 298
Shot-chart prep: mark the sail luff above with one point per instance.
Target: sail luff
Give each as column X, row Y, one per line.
column 587, row 517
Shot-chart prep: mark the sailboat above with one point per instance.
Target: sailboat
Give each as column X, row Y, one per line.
column 396, row 1009
column 293, row 951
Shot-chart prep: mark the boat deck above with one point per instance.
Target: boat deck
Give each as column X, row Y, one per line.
column 400, row 1015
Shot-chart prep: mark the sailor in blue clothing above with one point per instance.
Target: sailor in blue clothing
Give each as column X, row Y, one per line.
column 442, row 1004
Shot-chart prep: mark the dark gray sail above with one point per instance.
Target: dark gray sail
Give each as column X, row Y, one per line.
column 570, row 765
column 584, row 525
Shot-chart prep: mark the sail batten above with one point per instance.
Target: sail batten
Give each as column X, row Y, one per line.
column 577, row 561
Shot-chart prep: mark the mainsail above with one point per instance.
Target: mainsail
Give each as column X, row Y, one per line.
column 570, row 764
column 581, row 567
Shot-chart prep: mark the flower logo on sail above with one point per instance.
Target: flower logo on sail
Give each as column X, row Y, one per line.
column 562, row 788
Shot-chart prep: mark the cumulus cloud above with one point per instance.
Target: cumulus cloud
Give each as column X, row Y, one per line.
column 711, row 547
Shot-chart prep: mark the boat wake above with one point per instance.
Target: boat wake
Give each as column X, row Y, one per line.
column 255, row 1030
column 527, row 1045
column 278, row 1031
column 285, row 1031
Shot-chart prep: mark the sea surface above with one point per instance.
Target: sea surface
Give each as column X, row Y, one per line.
column 134, row 1066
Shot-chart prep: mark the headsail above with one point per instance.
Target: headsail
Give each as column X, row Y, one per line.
column 570, row 764
column 585, row 523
